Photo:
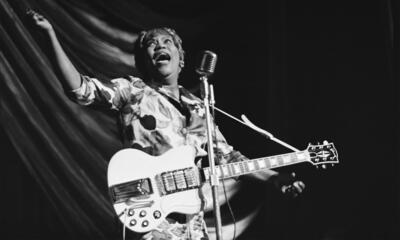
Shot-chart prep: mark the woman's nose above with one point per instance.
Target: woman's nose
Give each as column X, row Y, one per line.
column 160, row 45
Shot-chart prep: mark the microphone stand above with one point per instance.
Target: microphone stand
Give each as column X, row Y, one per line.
column 214, row 180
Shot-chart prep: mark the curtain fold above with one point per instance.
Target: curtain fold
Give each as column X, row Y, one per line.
column 64, row 146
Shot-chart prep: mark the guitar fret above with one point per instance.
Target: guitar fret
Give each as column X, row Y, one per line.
column 225, row 171
column 246, row 167
column 280, row 160
column 232, row 169
column 228, row 170
column 241, row 167
column 251, row 166
column 218, row 170
column 286, row 159
column 274, row 162
column 256, row 165
column 293, row 158
column 236, row 169
column 262, row 163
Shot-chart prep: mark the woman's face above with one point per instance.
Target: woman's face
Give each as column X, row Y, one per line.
column 162, row 56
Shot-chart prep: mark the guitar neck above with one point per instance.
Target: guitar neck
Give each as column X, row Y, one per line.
column 256, row 165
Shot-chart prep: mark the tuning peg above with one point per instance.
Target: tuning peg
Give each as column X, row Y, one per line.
column 325, row 142
column 323, row 166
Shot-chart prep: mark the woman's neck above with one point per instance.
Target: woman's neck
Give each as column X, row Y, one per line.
column 170, row 87
column 172, row 90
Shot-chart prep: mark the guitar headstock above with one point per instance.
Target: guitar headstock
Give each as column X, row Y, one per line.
column 323, row 154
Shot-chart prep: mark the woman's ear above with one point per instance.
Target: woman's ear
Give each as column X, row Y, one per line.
column 181, row 63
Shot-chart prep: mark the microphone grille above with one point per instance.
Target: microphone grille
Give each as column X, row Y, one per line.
column 207, row 63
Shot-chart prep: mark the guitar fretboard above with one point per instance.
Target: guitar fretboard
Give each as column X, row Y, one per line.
column 249, row 166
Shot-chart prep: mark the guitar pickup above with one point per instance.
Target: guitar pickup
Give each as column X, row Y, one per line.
column 178, row 180
column 134, row 189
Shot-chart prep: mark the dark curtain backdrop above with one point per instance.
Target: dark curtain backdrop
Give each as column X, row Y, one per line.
column 306, row 71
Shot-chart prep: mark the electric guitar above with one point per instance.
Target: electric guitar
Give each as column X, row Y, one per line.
column 145, row 189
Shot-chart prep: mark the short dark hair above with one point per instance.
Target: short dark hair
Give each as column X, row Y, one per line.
column 140, row 46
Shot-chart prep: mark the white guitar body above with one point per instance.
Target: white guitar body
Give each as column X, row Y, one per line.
column 145, row 212
column 145, row 189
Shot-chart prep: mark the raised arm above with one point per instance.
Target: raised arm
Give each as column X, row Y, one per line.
column 69, row 72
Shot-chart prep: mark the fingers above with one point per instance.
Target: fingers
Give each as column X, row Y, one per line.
column 288, row 184
column 293, row 189
column 298, row 188
column 36, row 16
column 198, row 221
column 39, row 20
column 31, row 12
column 299, row 185
column 147, row 236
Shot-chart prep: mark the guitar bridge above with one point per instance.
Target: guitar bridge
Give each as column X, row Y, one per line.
column 134, row 189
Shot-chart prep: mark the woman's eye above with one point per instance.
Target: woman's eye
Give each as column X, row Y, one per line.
column 168, row 41
column 151, row 43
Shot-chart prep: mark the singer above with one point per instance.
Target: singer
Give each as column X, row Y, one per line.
column 157, row 113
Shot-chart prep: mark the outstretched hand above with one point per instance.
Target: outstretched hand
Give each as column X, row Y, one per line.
column 288, row 184
column 39, row 20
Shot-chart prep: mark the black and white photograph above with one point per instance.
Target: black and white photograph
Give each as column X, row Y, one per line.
column 199, row 120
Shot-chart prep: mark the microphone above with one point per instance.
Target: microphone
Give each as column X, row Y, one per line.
column 207, row 63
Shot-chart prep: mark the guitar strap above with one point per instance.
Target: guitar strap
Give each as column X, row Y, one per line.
column 182, row 108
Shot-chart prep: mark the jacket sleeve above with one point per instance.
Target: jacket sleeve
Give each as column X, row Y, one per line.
column 113, row 95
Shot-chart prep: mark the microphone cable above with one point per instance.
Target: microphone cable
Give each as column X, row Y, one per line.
column 124, row 227
column 230, row 210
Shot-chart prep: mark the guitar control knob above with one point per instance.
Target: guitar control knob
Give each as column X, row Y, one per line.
column 131, row 212
column 157, row 214
column 142, row 213
column 132, row 222
column 145, row 223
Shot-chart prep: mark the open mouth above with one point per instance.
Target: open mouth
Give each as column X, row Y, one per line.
column 161, row 57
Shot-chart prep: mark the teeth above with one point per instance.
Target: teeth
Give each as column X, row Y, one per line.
column 162, row 57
